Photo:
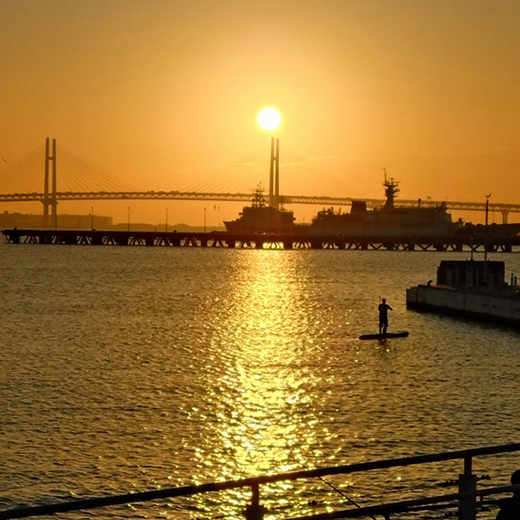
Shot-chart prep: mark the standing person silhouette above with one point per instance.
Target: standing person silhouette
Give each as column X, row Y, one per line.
column 510, row 507
column 383, row 316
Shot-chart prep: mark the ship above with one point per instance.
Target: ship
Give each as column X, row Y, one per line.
column 470, row 288
column 387, row 221
column 262, row 218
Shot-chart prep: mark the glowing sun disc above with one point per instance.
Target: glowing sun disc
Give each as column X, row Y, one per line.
column 269, row 118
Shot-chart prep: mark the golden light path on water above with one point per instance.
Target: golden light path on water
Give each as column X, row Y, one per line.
column 261, row 387
column 144, row 368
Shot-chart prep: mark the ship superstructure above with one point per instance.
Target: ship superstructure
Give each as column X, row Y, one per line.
column 262, row 218
column 388, row 220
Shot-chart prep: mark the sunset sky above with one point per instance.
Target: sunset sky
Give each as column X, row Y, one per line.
column 164, row 94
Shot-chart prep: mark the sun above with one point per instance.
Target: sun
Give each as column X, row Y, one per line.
column 269, row 118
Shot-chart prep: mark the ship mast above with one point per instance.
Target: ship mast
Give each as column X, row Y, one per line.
column 258, row 200
column 391, row 189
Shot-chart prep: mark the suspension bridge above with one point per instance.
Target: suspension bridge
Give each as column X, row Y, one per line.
column 82, row 181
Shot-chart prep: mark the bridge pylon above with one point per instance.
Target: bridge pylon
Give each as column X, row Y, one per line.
column 52, row 199
column 274, row 174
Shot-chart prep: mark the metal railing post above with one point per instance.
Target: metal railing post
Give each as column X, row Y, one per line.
column 255, row 511
column 467, row 484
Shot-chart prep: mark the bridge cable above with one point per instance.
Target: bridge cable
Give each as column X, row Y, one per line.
column 235, row 180
column 21, row 174
column 34, row 176
column 313, row 170
column 97, row 175
column 95, row 172
column 22, row 168
column 225, row 174
column 87, row 181
column 291, row 177
column 229, row 178
column 217, row 176
column 81, row 173
column 78, row 178
column 24, row 179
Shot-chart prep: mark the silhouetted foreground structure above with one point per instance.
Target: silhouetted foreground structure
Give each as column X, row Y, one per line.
column 464, row 502
column 259, row 241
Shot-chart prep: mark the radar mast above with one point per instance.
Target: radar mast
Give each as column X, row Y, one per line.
column 258, row 197
column 391, row 189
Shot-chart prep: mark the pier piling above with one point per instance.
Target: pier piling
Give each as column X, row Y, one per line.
column 257, row 241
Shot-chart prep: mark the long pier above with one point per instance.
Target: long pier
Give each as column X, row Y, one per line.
column 261, row 241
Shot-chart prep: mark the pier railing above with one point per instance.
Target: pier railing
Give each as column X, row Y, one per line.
column 465, row 500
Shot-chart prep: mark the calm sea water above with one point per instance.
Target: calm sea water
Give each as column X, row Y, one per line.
column 126, row 369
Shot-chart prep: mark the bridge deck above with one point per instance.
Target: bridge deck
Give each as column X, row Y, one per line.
column 246, row 197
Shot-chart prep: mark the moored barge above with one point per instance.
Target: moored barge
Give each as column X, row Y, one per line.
column 475, row 289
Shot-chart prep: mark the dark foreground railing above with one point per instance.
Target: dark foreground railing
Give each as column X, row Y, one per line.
column 465, row 500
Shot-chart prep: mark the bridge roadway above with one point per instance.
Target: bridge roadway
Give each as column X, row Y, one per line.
column 505, row 208
column 214, row 239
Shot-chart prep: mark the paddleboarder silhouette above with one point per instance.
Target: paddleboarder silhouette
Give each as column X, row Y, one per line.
column 383, row 316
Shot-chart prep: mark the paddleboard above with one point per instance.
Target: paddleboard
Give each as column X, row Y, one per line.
column 398, row 334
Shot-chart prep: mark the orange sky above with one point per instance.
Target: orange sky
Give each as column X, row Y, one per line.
column 163, row 95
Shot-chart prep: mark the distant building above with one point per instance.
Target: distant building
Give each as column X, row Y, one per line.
column 30, row 221
column 135, row 226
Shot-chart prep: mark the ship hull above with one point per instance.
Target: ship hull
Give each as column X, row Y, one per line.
column 504, row 310
column 238, row 227
column 385, row 232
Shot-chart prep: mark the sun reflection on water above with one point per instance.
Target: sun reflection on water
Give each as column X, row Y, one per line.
column 262, row 404
column 189, row 365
